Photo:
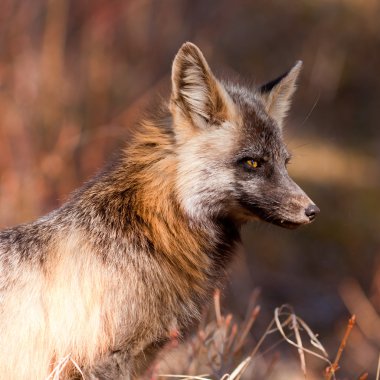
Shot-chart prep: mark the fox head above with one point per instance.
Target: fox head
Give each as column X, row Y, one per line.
column 231, row 155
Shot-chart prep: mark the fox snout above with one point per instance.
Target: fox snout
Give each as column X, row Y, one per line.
column 278, row 200
column 299, row 213
column 298, row 210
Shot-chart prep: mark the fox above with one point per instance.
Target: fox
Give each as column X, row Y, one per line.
column 137, row 252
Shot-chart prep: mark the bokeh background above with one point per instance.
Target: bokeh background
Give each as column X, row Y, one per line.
column 74, row 76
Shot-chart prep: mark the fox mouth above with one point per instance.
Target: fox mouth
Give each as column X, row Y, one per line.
column 276, row 220
column 286, row 223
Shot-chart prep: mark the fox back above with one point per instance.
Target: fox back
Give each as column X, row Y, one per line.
column 133, row 256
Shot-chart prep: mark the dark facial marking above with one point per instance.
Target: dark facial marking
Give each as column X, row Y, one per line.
column 261, row 138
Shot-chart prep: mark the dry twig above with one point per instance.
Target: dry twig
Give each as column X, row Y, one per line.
column 330, row 371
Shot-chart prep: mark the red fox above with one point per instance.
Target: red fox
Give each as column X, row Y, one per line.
column 137, row 251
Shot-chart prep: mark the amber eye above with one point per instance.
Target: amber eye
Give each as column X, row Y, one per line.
column 252, row 163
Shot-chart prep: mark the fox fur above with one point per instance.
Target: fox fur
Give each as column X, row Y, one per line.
column 137, row 252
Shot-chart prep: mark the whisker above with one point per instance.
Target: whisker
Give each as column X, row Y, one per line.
column 312, row 109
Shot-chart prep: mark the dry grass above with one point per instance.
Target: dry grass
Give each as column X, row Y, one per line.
column 222, row 349
column 62, row 366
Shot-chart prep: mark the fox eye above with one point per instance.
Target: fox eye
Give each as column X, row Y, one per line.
column 252, row 163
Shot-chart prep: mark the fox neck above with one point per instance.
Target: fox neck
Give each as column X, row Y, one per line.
column 138, row 199
column 200, row 249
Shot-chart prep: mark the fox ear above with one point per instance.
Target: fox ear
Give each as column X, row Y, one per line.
column 195, row 90
column 277, row 94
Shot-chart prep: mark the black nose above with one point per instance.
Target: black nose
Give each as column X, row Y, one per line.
column 312, row 211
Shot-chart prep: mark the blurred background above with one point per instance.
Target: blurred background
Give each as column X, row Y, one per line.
column 75, row 75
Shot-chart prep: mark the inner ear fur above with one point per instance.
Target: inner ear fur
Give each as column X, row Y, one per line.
column 195, row 90
column 277, row 94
